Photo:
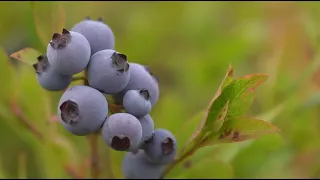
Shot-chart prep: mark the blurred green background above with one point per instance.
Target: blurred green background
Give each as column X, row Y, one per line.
column 189, row 46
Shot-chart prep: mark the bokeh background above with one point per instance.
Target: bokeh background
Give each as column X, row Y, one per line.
column 189, row 46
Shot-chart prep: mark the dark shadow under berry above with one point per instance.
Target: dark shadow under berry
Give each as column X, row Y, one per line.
column 150, row 139
column 69, row 112
column 120, row 62
column 167, row 146
column 120, row 143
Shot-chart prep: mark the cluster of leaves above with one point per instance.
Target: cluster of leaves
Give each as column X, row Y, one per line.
column 224, row 121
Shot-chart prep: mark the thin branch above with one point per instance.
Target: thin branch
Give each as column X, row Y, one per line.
column 176, row 162
column 73, row 173
column 114, row 108
column 109, row 164
column 78, row 78
column 93, row 141
column 54, row 118
column 94, row 156
column 16, row 110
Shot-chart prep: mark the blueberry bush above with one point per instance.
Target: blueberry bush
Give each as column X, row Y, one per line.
column 102, row 94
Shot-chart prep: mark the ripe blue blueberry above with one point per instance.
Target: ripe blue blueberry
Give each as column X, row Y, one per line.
column 69, row 52
column 137, row 102
column 108, row 71
column 162, row 148
column 140, row 79
column 122, row 132
column 82, row 110
column 147, row 125
column 99, row 35
column 48, row 78
column 136, row 166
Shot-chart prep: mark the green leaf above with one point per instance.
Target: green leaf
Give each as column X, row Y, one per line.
column 219, row 116
column 190, row 126
column 242, row 93
column 235, row 96
column 214, row 117
column 234, row 91
column 49, row 18
column 26, row 55
column 238, row 129
column 241, row 105
column 212, row 114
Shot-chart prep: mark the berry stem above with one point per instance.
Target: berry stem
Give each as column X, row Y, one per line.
column 72, row 172
column 94, row 156
column 109, row 168
column 93, row 141
column 78, row 78
column 177, row 161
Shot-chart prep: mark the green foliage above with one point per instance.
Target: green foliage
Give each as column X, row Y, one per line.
column 188, row 47
column 218, row 126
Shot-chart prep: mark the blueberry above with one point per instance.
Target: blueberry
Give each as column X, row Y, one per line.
column 137, row 102
column 82, row 110
column 147, row 125
column 162, row 148
column 48, row 78
column 99, row 35
column 69, row 52
column 136, row 166
column 108, row 71
column 140, row 79
column 122, row 132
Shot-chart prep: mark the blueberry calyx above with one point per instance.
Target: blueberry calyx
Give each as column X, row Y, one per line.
column 120, row 144
column 100, row 19
column 59, row 41
column 87, row 18
column 42, row 64
column 69, row 112
column 145, row 94
column 120, row 62
column 167, row 146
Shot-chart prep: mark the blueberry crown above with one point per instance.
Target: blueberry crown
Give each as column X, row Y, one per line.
column 89, row 18
column 120, row 62
column 167, row 146
column 59, row 41
column 69, row 112
column 145, row 93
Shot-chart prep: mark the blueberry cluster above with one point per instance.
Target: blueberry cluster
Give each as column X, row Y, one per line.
column 83, row 109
